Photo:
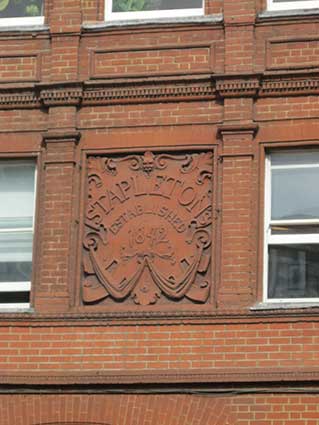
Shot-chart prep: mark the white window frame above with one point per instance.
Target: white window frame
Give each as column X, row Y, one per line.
column 22, row 21
column 150, row 14
column 291, row 5
column 269, row 239
column 19, row 286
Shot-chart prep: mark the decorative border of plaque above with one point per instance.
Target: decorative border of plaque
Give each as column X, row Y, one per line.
column 147, row 231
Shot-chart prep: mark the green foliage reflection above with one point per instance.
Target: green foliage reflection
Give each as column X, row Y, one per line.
column 132, row 5
column 20, row 8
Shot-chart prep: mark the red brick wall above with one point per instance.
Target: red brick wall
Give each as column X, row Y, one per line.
column 228, row 344
column 214, row 348
column 265, row 409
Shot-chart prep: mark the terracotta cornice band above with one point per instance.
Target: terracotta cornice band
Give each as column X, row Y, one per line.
column 237, row 85
column 142, row 318
column 250, row 128
column 166, row 377
column 144, row 89
column 61, row 136
column 60, row 93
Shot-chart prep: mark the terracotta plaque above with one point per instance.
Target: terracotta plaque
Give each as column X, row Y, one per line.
column 147, row 231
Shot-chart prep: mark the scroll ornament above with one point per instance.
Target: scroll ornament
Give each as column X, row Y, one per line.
column 147, row 229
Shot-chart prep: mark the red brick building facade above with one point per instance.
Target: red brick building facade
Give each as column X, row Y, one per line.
column 154, row 298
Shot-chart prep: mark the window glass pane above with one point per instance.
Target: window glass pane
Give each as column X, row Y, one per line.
column 294, row 230
column 293, row 271
column 295, row 193
column 15, row 222
column 144, row 5
column 15, row 257
column 306, row 157
column 16, row 194
column 15, row 246
column 20, row 8
column 19, row 271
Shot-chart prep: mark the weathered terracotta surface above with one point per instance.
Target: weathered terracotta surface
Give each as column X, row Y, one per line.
column 148, row 229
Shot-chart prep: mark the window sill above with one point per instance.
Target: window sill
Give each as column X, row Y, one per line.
column 16, row 310
column 208, row 19
column 293, row 13
column 24, row 28
column 284, row 306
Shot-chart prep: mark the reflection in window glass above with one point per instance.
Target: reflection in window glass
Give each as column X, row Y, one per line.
column 295, row 193
column 20, row 8
column 17, row 188
column 15, row 272
column 293, row 271
column 16, row 194
column 152, row 5
column 283, row 229
column 292, row 226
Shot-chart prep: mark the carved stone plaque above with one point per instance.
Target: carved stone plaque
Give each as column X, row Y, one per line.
column 147, row 230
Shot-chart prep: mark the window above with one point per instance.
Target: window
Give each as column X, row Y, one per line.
column 144, row 9
column 292, row 226
column 21, row 12
column 292, row 4
column 17, row 188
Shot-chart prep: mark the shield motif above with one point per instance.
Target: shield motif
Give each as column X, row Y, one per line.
column 147, row 230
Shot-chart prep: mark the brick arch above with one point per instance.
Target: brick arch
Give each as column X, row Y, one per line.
column 121, row 409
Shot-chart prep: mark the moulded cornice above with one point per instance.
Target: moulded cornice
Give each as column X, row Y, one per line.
column 249, row 128
column 18, row 98
column 52, row 136
column 298, row 85
column 74, row 423
column 165, row 377
column 237, row 85
column 100, row 318
column 57, row 94
column 159, row 89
